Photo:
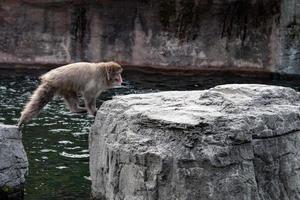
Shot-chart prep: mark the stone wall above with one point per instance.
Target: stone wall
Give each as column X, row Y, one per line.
column 238, row 142
column 13, row 163
column 182, row 34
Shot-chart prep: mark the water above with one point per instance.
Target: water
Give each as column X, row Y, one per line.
column 57, row 141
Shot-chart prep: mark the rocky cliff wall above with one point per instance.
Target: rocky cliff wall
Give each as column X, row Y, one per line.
column 192, row 34
column 230, row 142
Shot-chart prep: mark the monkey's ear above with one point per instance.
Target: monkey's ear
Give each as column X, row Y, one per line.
column 107, row 69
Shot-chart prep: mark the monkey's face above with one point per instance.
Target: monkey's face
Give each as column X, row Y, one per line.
column 113, row 73
column 116, row 78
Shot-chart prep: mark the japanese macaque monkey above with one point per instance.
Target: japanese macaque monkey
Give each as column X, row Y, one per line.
column 70, row 81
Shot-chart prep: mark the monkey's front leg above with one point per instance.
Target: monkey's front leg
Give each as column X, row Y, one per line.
column 72, row 102
column 90, row 104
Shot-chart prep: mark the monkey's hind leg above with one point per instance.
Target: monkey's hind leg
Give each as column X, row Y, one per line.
column 72, row 102
column 90, row 104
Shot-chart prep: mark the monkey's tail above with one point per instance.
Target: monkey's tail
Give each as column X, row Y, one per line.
column 41, row 96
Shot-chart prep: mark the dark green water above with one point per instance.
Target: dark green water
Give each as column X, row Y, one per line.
column 57, row 141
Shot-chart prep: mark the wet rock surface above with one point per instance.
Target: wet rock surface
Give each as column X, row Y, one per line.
column 13, row 163
column 228, row 142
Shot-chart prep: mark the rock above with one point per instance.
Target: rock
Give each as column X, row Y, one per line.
column 221, row 34
column 228, row 142
column 13, row 163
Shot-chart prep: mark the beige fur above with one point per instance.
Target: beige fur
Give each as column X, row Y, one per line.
column 69, row 81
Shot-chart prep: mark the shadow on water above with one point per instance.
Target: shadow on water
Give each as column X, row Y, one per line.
column 57, row 141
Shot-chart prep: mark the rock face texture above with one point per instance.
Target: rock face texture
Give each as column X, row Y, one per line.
column 290, row 37
column 228, row 142
column 13, row 163
column 182, row 34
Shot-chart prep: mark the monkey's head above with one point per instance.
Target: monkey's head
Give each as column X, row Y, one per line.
column 113, row 74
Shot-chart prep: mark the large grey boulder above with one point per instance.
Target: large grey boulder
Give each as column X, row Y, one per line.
column 13, row 163
column 229, row 142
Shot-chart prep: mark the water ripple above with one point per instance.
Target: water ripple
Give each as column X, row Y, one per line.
column 70, row 155
column 65, row 142
column 47, row 150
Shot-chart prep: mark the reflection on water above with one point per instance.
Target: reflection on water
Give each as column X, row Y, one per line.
column 57, row 141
